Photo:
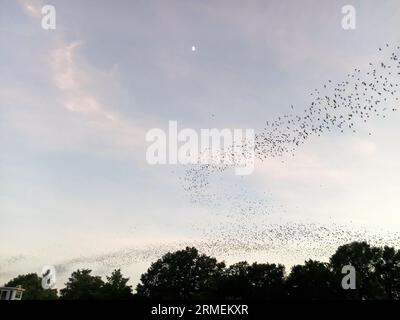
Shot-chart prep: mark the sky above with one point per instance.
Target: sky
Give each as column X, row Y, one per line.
column 77, row 101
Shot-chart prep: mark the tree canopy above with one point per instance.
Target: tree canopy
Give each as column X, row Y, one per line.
column 116, row 287
column 188, row 274
column 84, row 286
column 184, row 274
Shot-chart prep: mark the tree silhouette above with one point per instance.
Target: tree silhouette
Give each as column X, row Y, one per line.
column 365, row 260
column 234, row 283
column 256, row 281
column 32, row 284
column 184, row 274
column 388, row 272
column 82, row 286
column 313, row 281
column 116, row 287
column 267, row 281
column 187, row 274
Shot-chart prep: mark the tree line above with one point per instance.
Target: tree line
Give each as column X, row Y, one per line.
column 188, row 274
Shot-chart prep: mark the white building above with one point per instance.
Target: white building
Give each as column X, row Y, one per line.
column 11, row 293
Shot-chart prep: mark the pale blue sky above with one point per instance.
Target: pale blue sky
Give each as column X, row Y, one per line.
column 75, row 104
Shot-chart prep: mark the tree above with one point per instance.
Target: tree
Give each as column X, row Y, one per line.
column 256, row 281
column 388, row 272
column 365, row 259
column 183, row 274
column 312, row 281
column 32, row 284
column 267, row 281
column 234, row 283
column 82, row 286
column 116, row 287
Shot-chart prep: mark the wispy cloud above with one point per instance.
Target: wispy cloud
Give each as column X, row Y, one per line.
column 32, row 7
column 72, row 80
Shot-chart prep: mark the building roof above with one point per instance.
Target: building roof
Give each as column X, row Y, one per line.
column 12, row 288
